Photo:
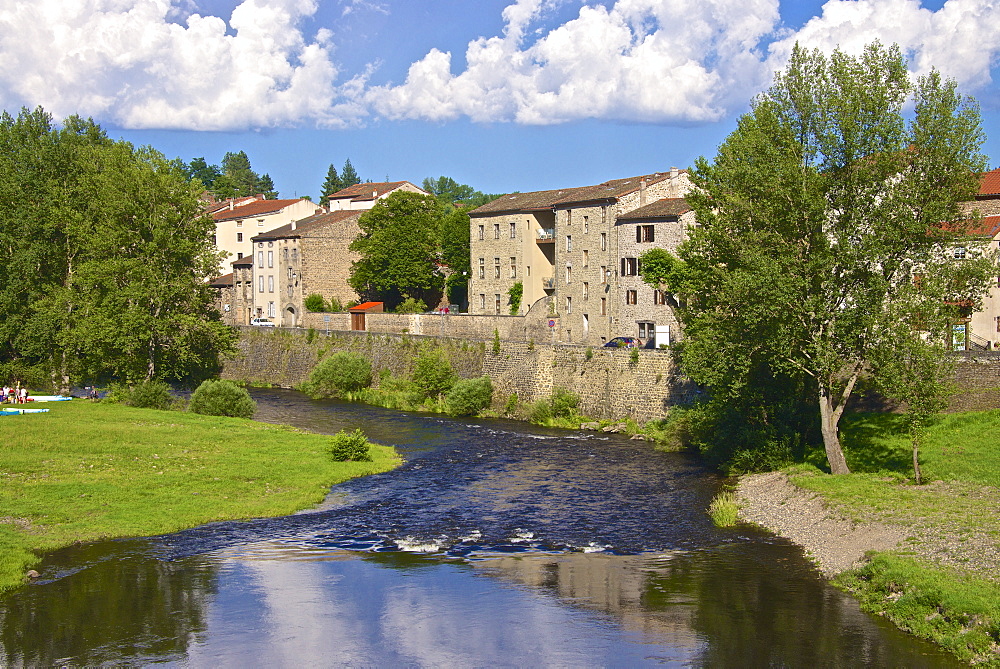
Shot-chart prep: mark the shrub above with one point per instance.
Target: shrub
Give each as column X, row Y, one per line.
column 315, row 302
column 469, row 396
column 724, row 509
column 411, row 306
column 515, row 293
column 510, row 408
column 496, row 341
column 433, row 373
column 564, row 403
column 633, row 357
column 590, row 353
column 334, row 305
column 343, row 372
column 349, row 446
column 540, row 412
column 222, row 398
column 149, row 395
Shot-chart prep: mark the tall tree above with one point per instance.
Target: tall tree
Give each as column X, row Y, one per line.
column 331, row 185
column 398, row 245
column 199, row 169
column 826, row 225
column 348, row 175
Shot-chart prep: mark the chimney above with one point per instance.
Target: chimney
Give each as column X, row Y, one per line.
column 230, row 204
column 293, row 224
column 642, row 192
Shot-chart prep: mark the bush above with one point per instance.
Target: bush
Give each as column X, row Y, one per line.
column 149, row 395
column 724, row 509
column 433, row 373
column 411, row 306
column 343, row 372
column 469, row 396
column 564, row 403
column 222, row 398
column 315, row 302
column 349, row 446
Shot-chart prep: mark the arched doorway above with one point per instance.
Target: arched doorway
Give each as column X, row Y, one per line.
column 291, row 317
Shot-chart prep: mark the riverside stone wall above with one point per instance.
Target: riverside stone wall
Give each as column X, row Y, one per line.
column 609, row 383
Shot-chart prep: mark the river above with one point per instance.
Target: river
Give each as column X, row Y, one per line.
column 495, row 544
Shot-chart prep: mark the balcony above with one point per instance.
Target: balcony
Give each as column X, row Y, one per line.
column 545, row 236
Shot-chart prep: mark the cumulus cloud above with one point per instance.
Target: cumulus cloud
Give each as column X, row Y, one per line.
column 639, row 60
column 155, row 64
column 959, row 39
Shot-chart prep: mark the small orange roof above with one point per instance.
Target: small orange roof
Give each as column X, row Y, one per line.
column 365, row 306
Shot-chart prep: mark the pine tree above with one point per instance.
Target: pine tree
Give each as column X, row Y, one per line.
column 332, row 184
column 348, row 175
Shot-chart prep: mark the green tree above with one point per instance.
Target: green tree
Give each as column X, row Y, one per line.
column 348, row 175
column 398, row 248
column 203, row 172
column 817, row 219
column 455, row 254
column 331, row 185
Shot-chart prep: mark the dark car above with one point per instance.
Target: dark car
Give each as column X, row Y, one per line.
column 623, row 342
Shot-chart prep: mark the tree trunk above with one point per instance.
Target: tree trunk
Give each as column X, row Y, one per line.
column 829, row 420
column 916, row 460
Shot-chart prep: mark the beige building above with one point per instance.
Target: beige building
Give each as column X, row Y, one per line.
column 569, row 244
column 364, row 196
column 236, row 224
column 304, row 257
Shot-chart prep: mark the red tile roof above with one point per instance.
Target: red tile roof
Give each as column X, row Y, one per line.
column 668, row 207
column 989, row 183
column 213, row 206
column 988, row 227
column 224, row 281
column 256, row 208
column 365, row 306
column 365, row 191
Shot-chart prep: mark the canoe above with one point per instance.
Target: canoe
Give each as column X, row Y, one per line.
column 48, row 398
column 18, row 412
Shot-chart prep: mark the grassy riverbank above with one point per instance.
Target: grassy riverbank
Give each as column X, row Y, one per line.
column 944, row 582
column 88, row 471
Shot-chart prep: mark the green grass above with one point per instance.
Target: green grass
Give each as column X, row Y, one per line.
column 958, row 611
column 88, row 471
column 724, row 509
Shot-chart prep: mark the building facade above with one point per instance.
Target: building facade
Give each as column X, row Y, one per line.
column 364, row 196
column 236, row 224
column 568, row 244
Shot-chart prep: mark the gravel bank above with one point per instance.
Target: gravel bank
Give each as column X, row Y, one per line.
column 837, row 543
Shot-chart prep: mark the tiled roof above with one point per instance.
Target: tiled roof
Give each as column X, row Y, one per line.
column 245, row 261
column 989, row 183
column 213, row 206
column 548, row 199
column 256, row 208
column 988, row 227
column 224, row 281
column 667, row 207
column 307, row 224
column 365, row 191
column 364, row 306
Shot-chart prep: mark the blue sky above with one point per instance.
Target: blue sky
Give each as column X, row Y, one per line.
column 501, row 94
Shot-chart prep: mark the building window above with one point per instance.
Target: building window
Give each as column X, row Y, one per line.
column 239, row 255
column 569, row 305
column 289, row 290
column 482, row 232
column 482, row 268
column 482, row 302
column 260, row 259
column 646, row 329
column 630, row 266
column 270, row 309
column 496, row 268
column 604, row 306
column 569, row 274
column 260, row 222
column 586, row 290
column 604, row 215
column 998, row 323
column 630, row 297
column 496, row 231
column 239, row 224
column 959, row 253
column 239, row 236
column 270, row 283
column 644, row 233
column 215, row 240
column 604, row 275
column 260, row 284
column 604, row 241
column 569, row 243
column 659, row 297
column 285, row 253
column 513, row 268
column 496, row 303
column 513, row 230
column 586, row 258
column 586, row 224
column 569, row 217
column 295, row 255
column 270, row 258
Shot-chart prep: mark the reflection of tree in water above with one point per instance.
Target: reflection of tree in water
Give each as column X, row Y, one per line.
column 121, row 610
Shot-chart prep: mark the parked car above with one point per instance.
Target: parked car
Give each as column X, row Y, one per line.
column 623, row 342
column 262, row 322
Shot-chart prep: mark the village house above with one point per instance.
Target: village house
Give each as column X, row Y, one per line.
column 236, row 224
column 364, row 196
column 574, row 246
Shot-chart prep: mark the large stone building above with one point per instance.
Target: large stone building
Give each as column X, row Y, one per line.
column 294, row 261
column 578, row 246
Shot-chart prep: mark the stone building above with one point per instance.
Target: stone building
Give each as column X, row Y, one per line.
column 236, row 224
column 242, row 309
column 304, row 257
column 364, row 196
column 567, row 244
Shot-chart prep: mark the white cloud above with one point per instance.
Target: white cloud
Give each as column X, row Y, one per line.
column 959, row 39
column 639, row 60
column 154, row 64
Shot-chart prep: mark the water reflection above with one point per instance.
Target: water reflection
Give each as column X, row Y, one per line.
column 545, row 549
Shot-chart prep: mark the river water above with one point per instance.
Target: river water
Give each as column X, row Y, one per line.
column 497, row 544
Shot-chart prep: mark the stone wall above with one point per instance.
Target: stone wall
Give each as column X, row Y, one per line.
column 608, row 383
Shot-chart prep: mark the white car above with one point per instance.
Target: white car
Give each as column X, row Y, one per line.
column 262, row 322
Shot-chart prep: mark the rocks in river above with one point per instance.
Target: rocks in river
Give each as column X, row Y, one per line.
column 32, row 574
column 617, row 427
column 590, row 426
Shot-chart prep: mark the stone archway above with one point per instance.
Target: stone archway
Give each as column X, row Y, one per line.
column 291, row 319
